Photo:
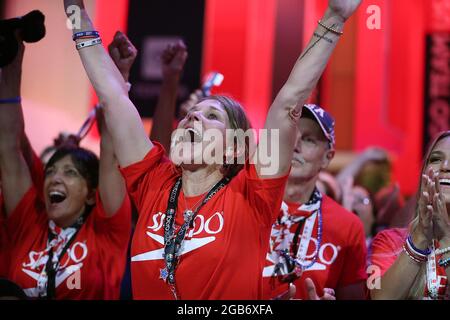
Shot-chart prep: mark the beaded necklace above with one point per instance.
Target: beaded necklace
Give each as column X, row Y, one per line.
column 313, row 205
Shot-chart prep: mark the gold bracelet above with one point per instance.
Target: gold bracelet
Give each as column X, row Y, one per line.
column 339, row 33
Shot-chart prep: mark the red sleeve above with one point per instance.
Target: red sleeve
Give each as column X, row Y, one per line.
column 28, row 214
column 116, row 228
column 354, row 270
column 386, row 247
column 152, row 172
column 265, row 195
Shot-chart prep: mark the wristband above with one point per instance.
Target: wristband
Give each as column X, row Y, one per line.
column 88, row 43
column 416, row 250
column 85, row 34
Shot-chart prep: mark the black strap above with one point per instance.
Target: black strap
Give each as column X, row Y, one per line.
column 50, row 269
column 315, row 197
column 295, row 244
column 172, row 242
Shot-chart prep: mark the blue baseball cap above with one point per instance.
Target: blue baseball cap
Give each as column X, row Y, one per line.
column 325, row 121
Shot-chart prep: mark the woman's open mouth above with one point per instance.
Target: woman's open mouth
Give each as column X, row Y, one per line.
column 56, row 197
column 192, row 135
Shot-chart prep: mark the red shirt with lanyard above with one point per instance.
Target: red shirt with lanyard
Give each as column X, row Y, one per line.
column 92, row 265
column 331, row 245
column 223, row 254
column 387, row 246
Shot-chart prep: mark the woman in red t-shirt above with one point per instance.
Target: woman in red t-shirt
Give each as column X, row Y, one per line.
column 414, row 263
column 67, row 237
column 204, row 223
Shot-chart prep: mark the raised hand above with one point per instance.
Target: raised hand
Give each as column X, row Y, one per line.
column 173, row 59
column 441, row 223
column 10, row 76
column 193, row 99
column 123, row 53
column 423, row 233
column 375, row 154
column 66, row 140
column 347, row 193
column 343, row 8
column 328, row 294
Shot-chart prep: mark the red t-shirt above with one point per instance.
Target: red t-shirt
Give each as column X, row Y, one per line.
column 387, row 246
column 223, row 253
column 37, row 176
column 341, row 259
column 93, row 266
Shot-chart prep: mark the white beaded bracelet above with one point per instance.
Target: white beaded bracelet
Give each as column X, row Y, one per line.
column 442, row 251
column 88, row 43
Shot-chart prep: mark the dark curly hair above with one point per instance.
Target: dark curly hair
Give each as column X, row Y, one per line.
column 85, row 161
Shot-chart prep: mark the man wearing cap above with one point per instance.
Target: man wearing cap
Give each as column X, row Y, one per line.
column 314, row 237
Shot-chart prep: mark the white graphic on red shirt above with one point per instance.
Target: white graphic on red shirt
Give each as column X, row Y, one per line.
column 211, row 226
column 328, row 252
column 34, row 266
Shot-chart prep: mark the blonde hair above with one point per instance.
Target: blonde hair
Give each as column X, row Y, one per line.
column 418, row 287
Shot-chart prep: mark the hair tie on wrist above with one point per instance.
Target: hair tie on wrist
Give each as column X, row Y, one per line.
column 339, row 33
column 11, row 100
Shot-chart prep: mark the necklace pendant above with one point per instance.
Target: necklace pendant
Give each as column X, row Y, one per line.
column 188, row 214
column 163, row 274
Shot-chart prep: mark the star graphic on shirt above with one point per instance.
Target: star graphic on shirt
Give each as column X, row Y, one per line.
column 163, row 274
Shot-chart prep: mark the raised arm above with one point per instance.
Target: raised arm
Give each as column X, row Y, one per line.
column 111, row 184
column 172, row 60
column 130, row 140
column 16, row 179
column 112, row 187
column 286, row 109
column 354, row 168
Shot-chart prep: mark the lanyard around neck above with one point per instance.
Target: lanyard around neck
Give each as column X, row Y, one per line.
column 50, row 268
column 172, row 241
